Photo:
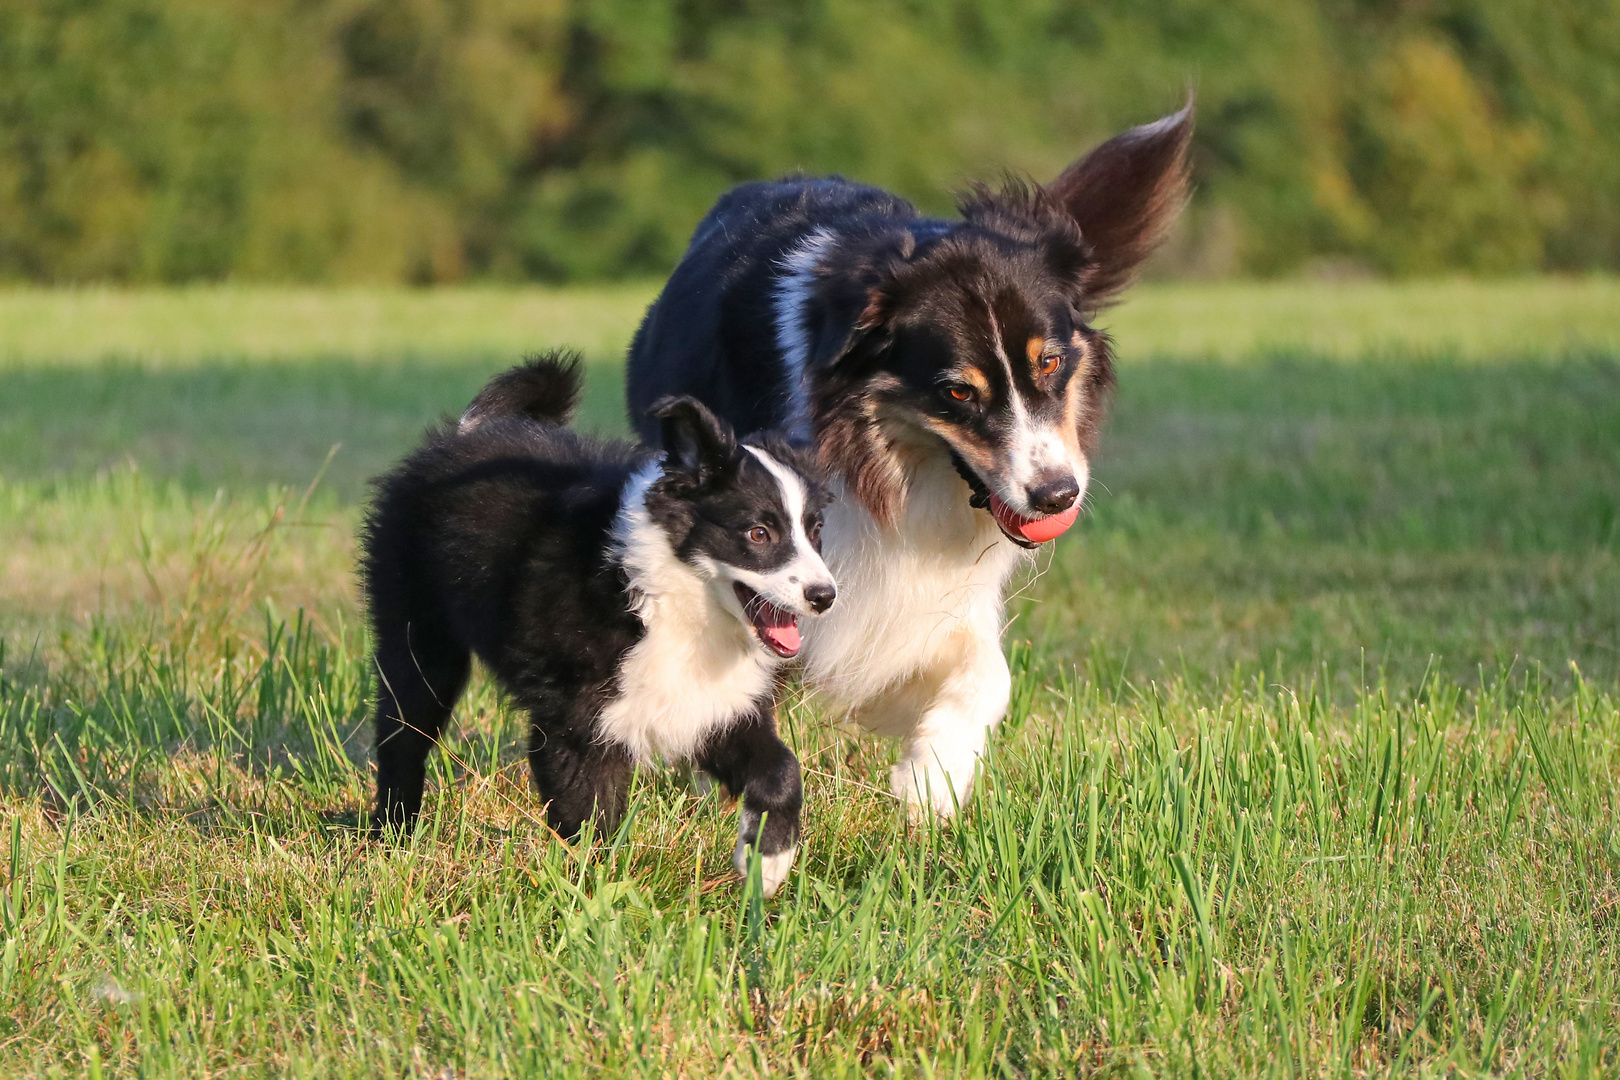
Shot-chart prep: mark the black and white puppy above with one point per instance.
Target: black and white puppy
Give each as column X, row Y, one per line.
column 948, row 373
column 638, row 605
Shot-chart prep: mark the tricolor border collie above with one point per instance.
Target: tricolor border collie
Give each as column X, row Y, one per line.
column 639, row 606
column 949, row 378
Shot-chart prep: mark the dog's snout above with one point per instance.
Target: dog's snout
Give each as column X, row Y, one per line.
column 820, row 596
column 1054, row 493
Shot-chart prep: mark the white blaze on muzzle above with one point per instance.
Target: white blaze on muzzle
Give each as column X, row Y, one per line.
column 785, row 586
column 1037, row 452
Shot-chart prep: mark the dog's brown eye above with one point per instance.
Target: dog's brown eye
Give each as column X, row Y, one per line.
column 759, row 534
column 960, row 392
column 1050, row 364
column 815, row 531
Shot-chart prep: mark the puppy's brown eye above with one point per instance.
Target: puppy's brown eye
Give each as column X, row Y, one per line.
column 1050, row 363
column 960, row 392
column 815, row 531
column 759, row 534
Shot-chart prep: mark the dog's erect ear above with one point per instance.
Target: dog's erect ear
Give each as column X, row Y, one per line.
column 1125, row 195
column 698, row 445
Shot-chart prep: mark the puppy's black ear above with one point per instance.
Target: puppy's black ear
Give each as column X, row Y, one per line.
column 699, row 447
column 1125, row 195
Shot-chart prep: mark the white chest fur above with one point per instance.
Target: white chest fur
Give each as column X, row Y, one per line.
column 697, row 668
column 906, row 596
column 683, row 680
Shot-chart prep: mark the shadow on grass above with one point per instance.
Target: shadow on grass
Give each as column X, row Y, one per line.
column 246, row 425
column 1286, row 512
column 1394, row 451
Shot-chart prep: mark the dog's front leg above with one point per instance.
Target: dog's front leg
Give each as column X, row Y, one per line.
column 941, row 753
column 753, row 762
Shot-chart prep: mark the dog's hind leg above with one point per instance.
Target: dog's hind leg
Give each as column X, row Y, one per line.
column 421, row 672
column 753, row 762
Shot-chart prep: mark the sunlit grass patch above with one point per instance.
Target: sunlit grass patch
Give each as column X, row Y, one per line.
column 1250, row 878
column 134, row 553
column 1310, row 770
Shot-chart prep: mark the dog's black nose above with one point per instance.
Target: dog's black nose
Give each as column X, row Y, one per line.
column 820, row 596
column 1054, row 494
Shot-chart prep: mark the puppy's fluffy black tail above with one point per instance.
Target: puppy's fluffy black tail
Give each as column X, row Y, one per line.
column 545, row 387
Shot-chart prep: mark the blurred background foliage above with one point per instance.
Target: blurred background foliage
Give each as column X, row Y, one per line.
column 437, row 140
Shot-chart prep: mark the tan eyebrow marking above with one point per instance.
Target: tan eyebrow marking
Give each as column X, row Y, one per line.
column 1034, row 347
column 973, row 377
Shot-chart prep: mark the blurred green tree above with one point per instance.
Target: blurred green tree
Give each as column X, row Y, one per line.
column 433, row 140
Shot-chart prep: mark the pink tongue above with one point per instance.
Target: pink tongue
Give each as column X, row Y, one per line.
column 1035, row 530
column 778, row 627
column 786, row 637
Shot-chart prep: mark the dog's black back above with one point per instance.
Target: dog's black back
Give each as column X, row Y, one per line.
column 523, row 514
column 713, row 332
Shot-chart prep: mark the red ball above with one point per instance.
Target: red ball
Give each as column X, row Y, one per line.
column 1035, row 530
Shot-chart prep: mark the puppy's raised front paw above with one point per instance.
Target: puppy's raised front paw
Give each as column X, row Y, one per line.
column 773, row 869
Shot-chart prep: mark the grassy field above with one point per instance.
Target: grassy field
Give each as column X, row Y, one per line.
column 1311, row 767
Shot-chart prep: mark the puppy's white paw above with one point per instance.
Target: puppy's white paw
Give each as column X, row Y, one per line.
column 773, row 869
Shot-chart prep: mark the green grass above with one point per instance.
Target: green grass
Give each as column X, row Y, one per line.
column 1311, row 767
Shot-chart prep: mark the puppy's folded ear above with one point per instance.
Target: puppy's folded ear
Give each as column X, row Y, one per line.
column 699, row 447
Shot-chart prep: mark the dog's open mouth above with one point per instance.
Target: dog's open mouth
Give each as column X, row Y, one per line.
column 1030, row 531
column 778, row 629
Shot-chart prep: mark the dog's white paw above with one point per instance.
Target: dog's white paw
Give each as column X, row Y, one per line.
column 773, row 869
column 929, row 791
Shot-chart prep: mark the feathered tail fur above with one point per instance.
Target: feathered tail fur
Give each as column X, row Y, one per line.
column 545, row 387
